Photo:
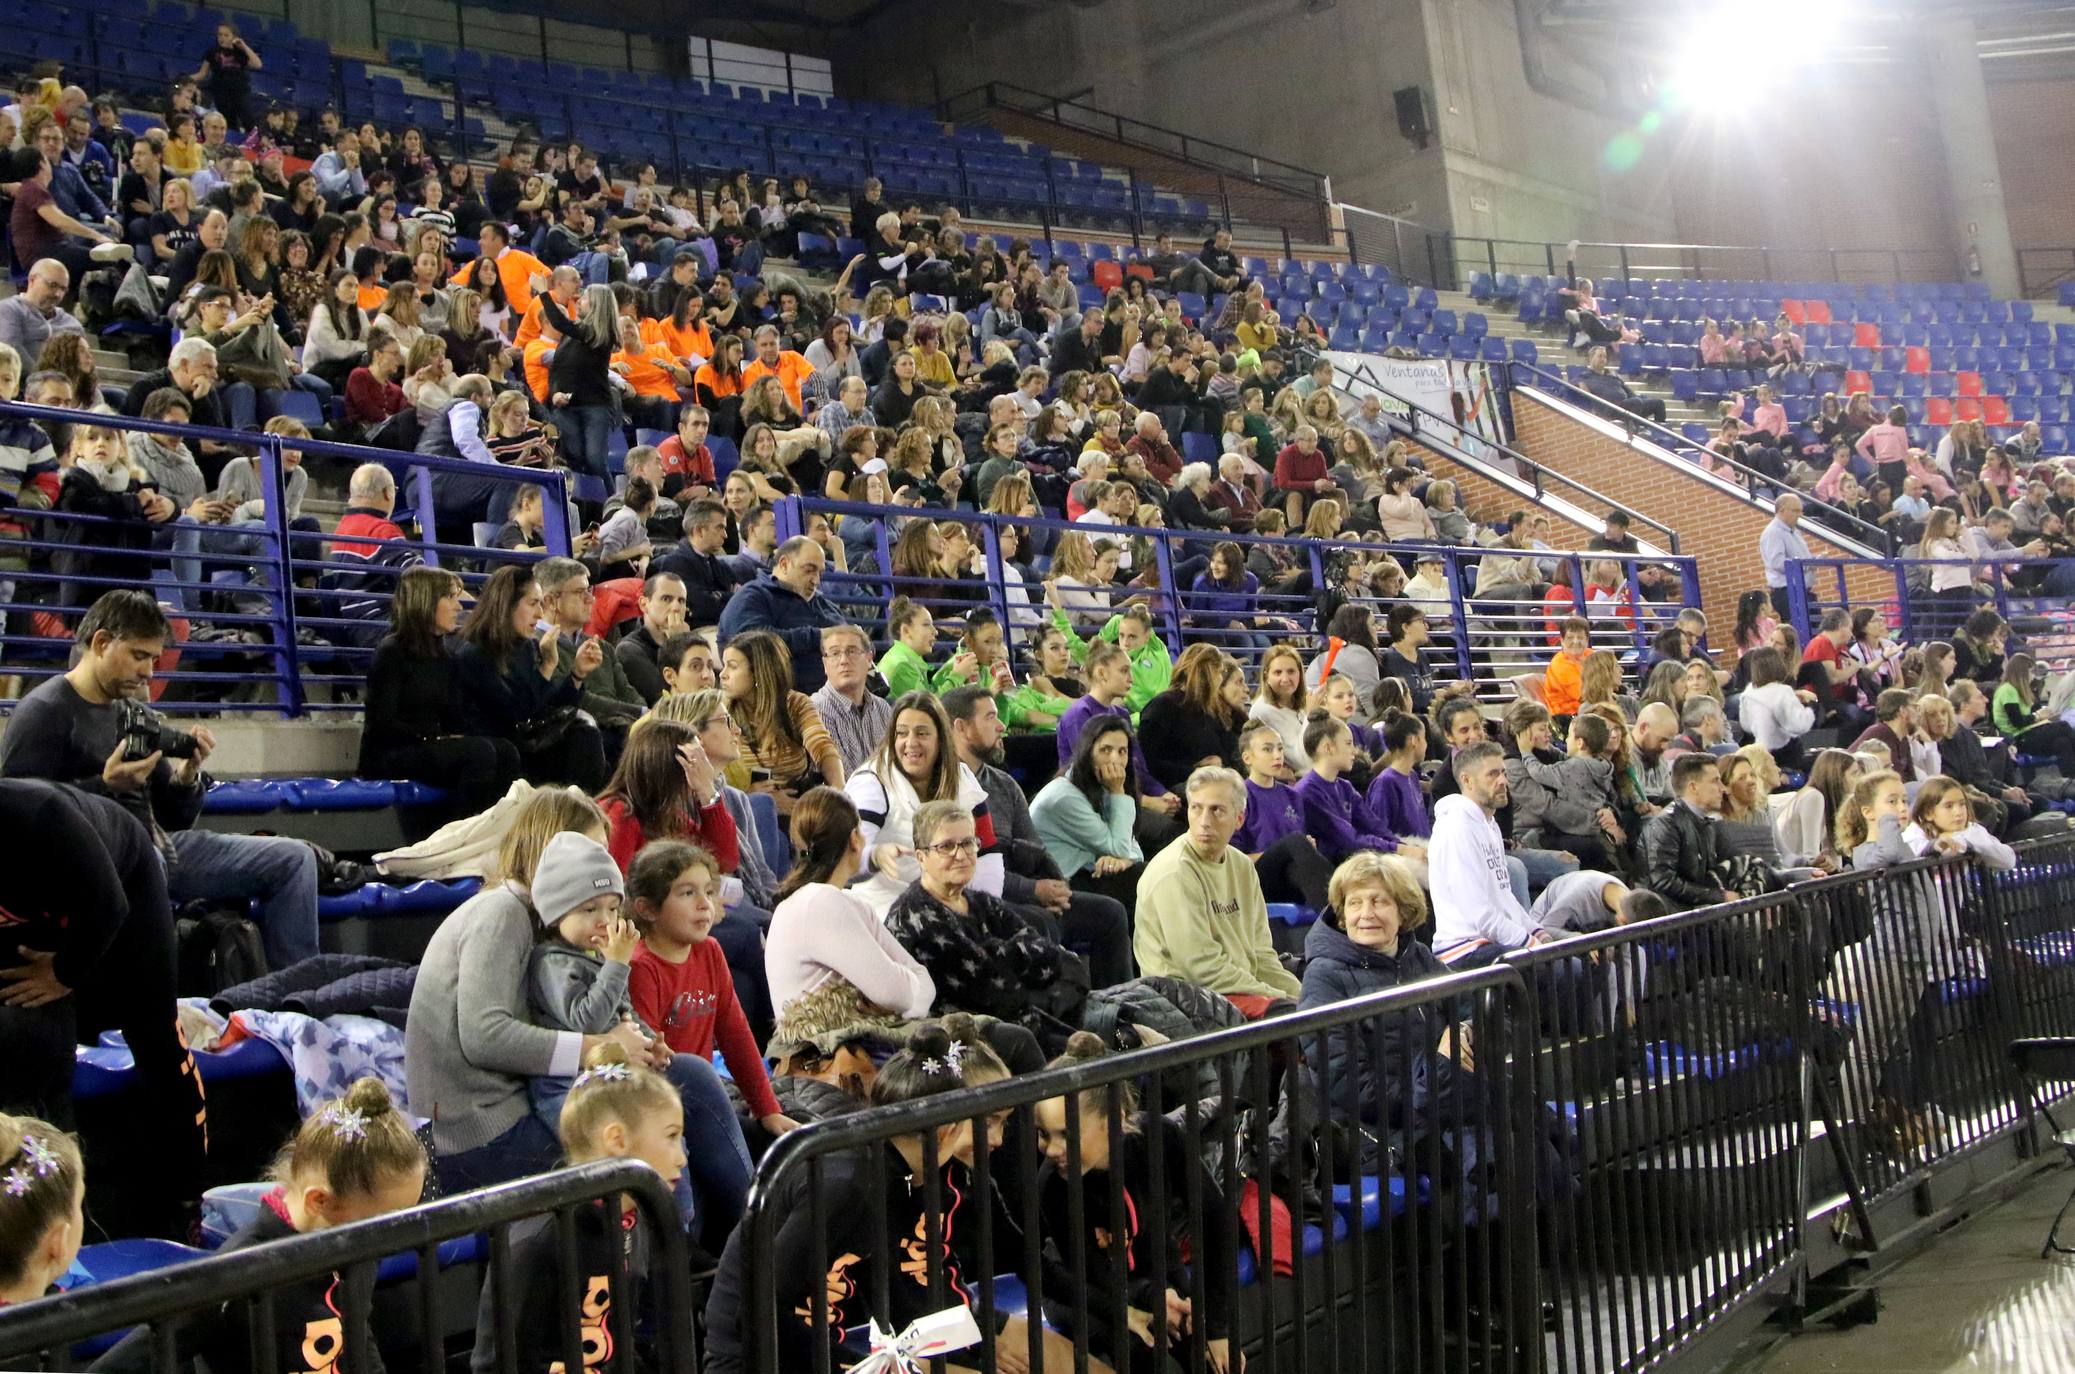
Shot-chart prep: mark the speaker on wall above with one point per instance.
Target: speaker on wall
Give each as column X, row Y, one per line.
column 1412, row 115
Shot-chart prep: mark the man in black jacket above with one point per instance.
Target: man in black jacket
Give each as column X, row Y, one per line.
column 662, row 615
column 709, row 579
column 1962, row 755
column 1220, row 263
column 1080, row 351
column 1680, row 844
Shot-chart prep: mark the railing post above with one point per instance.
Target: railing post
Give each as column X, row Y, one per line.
column 1905, row 622
column 554, row 512
column 1458, row 614
column 1163, row 559
column 281, row 574
column 421, row 502
column 790, row 522
column 1797, row 598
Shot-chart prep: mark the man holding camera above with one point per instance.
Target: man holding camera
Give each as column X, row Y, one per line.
column 89, row 729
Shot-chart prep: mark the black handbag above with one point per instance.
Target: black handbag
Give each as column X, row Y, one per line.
column 545, row 732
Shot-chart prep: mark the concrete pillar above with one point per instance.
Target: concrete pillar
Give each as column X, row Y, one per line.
column 1981, row 226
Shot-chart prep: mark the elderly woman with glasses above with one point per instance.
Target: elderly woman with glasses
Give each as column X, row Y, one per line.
column 984, row 958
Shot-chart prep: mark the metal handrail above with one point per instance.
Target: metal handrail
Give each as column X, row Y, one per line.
column 1825, row 517
column 205, row 1283
column 1536, row 471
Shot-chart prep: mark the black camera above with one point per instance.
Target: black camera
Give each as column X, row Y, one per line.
column 145, row 732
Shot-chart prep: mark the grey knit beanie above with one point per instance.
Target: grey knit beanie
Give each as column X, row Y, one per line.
column 572, row 870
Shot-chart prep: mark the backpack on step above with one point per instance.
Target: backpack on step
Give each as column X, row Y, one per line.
column 214, row 950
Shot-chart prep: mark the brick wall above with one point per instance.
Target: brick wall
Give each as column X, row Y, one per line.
column 1488, row 502
column 1719, row 529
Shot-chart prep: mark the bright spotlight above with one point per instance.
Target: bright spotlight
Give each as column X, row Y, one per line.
column 1757, row 40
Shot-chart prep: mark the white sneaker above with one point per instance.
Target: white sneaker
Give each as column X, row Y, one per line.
column 113, row 252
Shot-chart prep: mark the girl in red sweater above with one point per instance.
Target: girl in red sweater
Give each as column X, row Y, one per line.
column 679, row 981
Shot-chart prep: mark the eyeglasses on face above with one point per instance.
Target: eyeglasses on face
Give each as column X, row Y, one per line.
column 953, row 848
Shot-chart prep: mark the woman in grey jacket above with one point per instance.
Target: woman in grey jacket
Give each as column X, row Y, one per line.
column 469, row 1045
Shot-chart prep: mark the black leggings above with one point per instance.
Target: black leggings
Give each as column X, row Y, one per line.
column 131, row 990
column 1095, row 926
column 1292, row 870
column 478, row 769
column 1121, row 888
column 2053, row 737
column 575, row 760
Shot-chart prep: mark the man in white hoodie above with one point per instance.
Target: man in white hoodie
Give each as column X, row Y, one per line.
column 1477, row 917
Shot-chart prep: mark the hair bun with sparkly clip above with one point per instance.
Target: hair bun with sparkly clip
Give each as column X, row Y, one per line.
column 603, row 1073
column 347, row 1123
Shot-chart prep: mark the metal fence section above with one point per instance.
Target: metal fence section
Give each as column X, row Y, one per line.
column 1377, row 1141
column 1489, row 640
column 417, row 1313
column 1406, row 248
column 1465, row 254
column 2032, row 594
column 265, row 608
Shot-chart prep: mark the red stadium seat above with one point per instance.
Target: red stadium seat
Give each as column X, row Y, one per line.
column 1139, row 270
column 1106, row 274
column 1995, row 410
column 1866, row 335
column 1969, row 383
column 1919, row 360
column 1967, row 408
column 1796, row 311
column 1938, row 410
column 1857, row 382
column 1818, row 311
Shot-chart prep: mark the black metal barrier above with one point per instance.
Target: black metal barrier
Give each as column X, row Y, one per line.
column 1738, row 1081
column 1391, row 1168
column 40, row 1334
column 1586, row 1158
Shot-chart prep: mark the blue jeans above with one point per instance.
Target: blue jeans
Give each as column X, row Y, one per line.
column 585, row 430
column 527, row 1148
column 1537, row 868
column 240, row 404
column 281, row 875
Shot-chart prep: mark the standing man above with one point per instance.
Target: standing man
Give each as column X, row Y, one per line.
column 71, row 729
column 1201, row 916
column 1781, row 541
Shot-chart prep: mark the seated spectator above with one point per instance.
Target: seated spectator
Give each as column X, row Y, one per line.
column 855, row 717
column 1224, row 603
column 1772, row 710
column 373, row 393
column 510, row 684
column 31, row 316
column 787, row 601
column 1335, row 813
column 70, row 729
column 337, row 338
column 609, row 698
column 416, row 722
column 688, row 473
column 1200, row 913
column 663, row 603
column 525, row 529
column 1648, row 739
column 1961, row 754
column 1680, row 846
column 1606, row 385
column 40, row 231
column 2015, row 712
column 623, row 544
column 1477, row 916
column 1194, row 722
column 1301, row 473
column 786, row 749
column 1894, row 722
column 1563, row 800
column 1088, row 814
column 1561, row 680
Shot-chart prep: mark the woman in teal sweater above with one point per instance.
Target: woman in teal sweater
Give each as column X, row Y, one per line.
column 1085, row 817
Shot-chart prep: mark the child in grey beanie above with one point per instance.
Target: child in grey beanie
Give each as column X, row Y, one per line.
column 576, row 979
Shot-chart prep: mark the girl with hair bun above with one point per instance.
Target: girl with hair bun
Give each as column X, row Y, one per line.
column 353, row 1159
column 42, row 1206
column 927, row 1197
column 1144, row 1254
column 615, row 1110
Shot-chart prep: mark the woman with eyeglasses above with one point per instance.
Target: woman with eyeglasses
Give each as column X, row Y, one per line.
column 985, row 958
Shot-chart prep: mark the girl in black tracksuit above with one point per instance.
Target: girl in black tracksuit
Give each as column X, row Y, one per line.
column 355, row 1158
column 852, row 1242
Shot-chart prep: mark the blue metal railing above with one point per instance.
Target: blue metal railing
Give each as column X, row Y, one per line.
column 1488, row 640
column 2034, row 594
column 261, row 590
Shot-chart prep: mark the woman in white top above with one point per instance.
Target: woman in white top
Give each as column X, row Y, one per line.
column 1771, row 709
column 1806, row 826
column 335, row 341
column 1083, row 570
column 1281, row 703
column 825, row 942
column 914, row 763
column 1953, row 574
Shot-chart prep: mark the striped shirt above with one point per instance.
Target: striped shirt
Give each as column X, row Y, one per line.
column 856, row 729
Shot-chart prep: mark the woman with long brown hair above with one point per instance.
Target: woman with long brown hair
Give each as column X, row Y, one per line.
column 786, row 750
column 665, row 788
column 916, row 763
column 510, row 686
column 1195, row 722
